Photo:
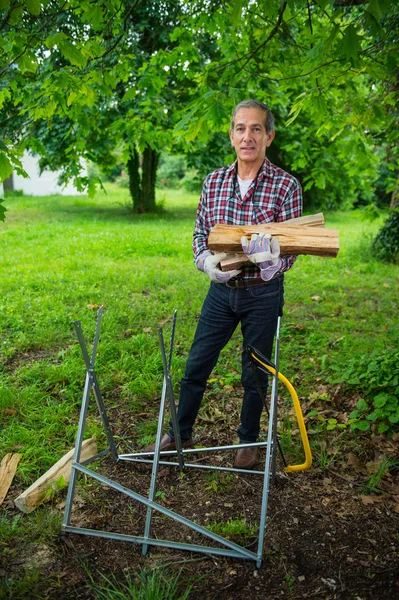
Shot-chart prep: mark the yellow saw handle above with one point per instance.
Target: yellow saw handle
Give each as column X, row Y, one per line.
column 299, row 416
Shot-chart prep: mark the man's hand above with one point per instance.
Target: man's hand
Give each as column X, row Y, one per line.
column 263, row 252
column 208, row 263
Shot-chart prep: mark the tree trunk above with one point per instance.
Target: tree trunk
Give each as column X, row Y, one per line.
column 134, row 179
column 150, row 165
column 395, row 197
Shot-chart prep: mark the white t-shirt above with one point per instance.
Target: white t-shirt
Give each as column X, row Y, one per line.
column 244, row 185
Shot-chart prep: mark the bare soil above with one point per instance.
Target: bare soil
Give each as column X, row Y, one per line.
column 328, row 536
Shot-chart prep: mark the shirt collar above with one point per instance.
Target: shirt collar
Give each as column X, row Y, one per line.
column 264, row 172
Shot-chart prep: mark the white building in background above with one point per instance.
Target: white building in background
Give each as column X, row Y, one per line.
column 45, row 184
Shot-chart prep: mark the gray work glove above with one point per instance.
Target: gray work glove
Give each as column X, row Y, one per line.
column 263, row 252
column 208, row 263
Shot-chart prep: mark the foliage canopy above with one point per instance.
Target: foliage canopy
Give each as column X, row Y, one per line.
column 133, row 75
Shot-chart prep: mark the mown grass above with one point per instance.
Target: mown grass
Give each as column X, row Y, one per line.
column 64, row 257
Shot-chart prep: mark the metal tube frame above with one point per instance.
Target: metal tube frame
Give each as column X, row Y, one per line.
column 229, row 548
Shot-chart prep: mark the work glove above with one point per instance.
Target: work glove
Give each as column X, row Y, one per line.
column 264, row 252
column 208, row 263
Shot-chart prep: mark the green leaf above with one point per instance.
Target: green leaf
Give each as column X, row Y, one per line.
column 55, row 39
column 71, row 53
column 351, row 42
column 380, row 400
column 110, row 79
column 4, row 95
column 2, row 211
column 95, row 16
column 372, row 23
column 382, row 428
column 395, row 417
column 322, row 3
column 333, row 34
column 374, row 8
column 4, row 4
column 236, row 12
column 287, row 13
column 130, row 94
column 33, row 7
column 363, row 425
column 373, row 416
column 5, row 167
column 91, row 190
column 320, row 180
column 27, row 64
column 15, row 15
column 312, row 413
column 362, row 404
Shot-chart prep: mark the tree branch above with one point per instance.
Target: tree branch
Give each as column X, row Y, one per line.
column 349, row 3
column 32, row 37
column 119, row 38
column 249, row 55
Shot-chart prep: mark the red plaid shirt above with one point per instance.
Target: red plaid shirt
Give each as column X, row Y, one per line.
column 273, row 196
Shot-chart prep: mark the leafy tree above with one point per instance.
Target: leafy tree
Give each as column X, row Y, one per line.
column 53, row 60
column 142, row 77
column 328, row 68
column 94, row 86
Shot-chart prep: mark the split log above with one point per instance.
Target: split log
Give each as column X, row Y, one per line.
column 8, row 469
column 316, row 220
column 296, row 236
column 293, row 240
column 54, row 478
column 239, row 259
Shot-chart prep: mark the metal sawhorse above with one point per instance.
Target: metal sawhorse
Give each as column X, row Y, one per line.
column 229, row 548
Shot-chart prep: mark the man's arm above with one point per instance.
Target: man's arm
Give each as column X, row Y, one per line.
column 202, row 226
column 290, row 209
column 205, row 261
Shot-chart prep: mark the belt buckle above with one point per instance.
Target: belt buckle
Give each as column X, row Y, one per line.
column 233, row 283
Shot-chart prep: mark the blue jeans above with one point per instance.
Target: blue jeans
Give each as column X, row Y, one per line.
column 257, row 309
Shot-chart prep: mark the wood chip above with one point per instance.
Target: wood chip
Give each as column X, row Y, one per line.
column 8, row 469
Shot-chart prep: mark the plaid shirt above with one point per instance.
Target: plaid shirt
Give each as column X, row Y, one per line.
column 273, row 196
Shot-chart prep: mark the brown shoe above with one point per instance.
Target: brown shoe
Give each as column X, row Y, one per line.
column 246, row 458
column 168, row 444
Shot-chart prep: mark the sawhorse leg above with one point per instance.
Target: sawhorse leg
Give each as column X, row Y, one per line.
column 91, row 383
column 167, row 390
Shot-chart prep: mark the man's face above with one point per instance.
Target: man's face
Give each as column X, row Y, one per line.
column 249, row 138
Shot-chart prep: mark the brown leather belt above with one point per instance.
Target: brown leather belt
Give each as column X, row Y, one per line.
column 243, row 283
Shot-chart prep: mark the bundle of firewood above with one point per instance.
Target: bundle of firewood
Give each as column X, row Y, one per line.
column 304, row 235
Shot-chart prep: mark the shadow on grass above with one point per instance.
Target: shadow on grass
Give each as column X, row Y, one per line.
column 124, row 213
column 69, row 208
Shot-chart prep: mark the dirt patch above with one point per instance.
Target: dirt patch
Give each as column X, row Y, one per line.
column 328, row 535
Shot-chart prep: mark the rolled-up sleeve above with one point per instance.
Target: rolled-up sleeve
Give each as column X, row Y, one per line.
column 202, row 225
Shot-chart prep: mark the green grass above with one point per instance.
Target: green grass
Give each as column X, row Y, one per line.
column 62, row 257
column 155, row 585
column 236, row 529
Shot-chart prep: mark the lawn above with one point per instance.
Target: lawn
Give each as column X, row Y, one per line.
column 63, row 257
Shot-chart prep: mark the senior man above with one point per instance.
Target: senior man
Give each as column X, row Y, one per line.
column 250, row 191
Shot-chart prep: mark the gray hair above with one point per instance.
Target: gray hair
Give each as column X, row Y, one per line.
column 269, row 121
